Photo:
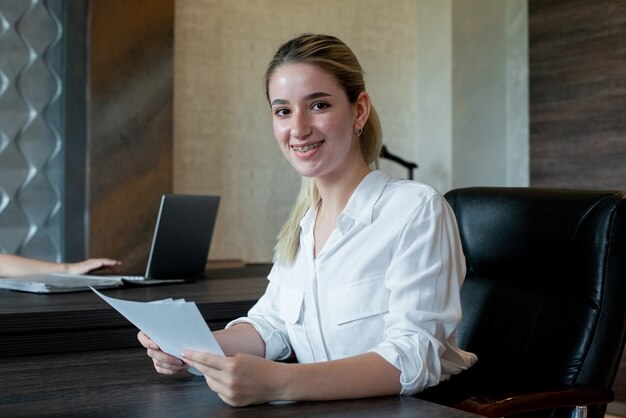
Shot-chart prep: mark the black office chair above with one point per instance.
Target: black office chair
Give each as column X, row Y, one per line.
column 544, row 301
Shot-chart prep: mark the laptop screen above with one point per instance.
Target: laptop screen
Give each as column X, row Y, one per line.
column 182, row 236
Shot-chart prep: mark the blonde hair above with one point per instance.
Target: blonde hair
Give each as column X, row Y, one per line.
column 335, row 57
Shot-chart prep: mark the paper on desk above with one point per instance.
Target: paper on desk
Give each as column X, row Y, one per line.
column 174, row 325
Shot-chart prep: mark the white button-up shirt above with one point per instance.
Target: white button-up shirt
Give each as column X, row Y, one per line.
column 386, row 281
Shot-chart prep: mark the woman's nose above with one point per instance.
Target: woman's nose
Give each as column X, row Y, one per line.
column 300, row 127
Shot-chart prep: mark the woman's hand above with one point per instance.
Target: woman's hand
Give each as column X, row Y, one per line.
column 92, row 264
column 242, row 379
column 163, row 363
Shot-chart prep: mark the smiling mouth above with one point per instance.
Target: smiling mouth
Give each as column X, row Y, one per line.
column 307, row 148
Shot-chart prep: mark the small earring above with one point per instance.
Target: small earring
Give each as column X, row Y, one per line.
column 358, row 131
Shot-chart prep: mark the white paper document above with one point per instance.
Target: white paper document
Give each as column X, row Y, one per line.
column 58, row 283
column 174, row 325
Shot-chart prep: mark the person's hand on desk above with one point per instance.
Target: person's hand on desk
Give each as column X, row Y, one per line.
column 92, row 265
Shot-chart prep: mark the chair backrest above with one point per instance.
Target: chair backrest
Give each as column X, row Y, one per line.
column 544, row 300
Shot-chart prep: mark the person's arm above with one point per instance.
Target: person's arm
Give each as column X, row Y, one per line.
column 14, row 265
column 361, row 376
column 244, row 379
column 240, row 338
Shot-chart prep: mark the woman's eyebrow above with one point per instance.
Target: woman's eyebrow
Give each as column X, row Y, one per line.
column 308, row 97
column 316, row 95
column 279, row 102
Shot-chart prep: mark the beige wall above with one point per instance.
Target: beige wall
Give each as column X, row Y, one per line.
column 223, row 141
column 449, row 79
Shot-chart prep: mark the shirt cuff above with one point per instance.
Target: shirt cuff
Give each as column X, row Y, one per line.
column 276, row 348
column 407, row 356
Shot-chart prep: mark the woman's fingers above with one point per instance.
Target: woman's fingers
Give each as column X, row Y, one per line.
column 163, row 362
column 214, row 368
column 146, row 341
column 164, row 358
column 168, row 367
column 202, row 360
column 166, row 364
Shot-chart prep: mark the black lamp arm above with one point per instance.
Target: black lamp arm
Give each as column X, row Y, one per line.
column 384, row 153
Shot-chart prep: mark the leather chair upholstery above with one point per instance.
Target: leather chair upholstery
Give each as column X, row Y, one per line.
column 544, row 300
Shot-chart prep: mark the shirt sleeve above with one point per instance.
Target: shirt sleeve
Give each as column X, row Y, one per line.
column 424, row 280
column 264, row 317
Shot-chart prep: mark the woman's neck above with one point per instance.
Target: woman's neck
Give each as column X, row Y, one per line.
column 334, row 198
column 335, row 193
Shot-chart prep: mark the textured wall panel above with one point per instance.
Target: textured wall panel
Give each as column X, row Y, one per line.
column 31, row 171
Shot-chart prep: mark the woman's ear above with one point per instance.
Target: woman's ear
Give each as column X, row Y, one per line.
column 362, row 108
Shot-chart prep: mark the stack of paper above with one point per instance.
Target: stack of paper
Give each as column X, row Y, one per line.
column 174, row 325
column 58, row 283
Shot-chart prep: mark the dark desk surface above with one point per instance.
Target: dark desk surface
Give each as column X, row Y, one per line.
column 122, row 382
column 36, row 323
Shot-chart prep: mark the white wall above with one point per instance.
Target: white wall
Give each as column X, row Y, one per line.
column 473, row 93
column 446, row 77
column 490, row 93
column 434, row 93
column 517, row 94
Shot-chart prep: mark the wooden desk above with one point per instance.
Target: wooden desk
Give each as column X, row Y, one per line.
column 122, row 382
column 34, row 323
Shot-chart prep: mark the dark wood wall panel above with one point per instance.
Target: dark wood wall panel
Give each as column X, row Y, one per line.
column 129, row 114
column 577, row 64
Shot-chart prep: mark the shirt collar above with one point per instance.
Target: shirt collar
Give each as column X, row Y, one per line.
column 360, row 207
column 307, row 220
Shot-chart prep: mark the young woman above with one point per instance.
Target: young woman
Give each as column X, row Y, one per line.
column 14, row 265
column 365, row 285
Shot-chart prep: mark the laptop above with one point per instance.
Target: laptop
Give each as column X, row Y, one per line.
column 179, row 251
column 182, row 238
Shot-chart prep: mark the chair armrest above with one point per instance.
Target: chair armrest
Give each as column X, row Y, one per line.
column 519, row 402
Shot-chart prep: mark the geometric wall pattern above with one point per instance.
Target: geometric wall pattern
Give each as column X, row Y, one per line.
column 31, row 128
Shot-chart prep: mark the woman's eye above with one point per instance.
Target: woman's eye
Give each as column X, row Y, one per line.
column 281, row 112
column 320, row 106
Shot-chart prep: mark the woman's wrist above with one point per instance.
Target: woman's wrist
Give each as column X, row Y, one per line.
column 284, row 386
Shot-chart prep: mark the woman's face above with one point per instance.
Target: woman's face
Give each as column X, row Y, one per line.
column 313, row 120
